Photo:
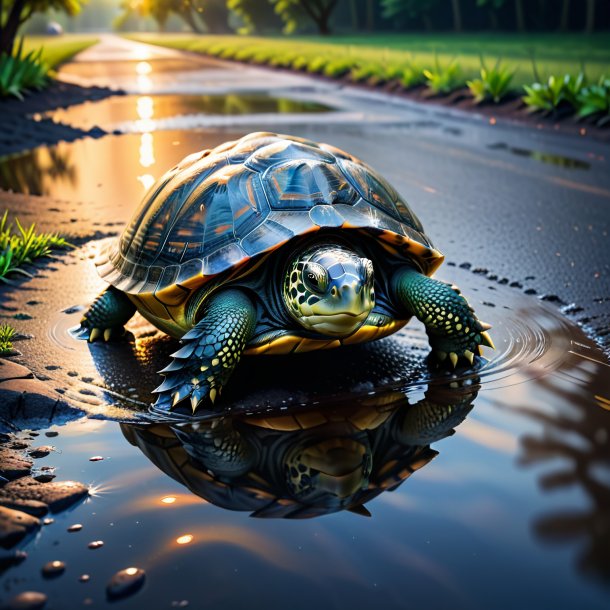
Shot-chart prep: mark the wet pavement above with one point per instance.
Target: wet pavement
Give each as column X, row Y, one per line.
column 514, row 507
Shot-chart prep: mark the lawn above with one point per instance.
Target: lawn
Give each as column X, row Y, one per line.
column 335, row 56
column 58, row 49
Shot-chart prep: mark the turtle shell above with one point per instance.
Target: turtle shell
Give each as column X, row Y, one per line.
column 219, row 208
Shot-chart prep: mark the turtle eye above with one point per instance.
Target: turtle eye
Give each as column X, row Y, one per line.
column 315, row 277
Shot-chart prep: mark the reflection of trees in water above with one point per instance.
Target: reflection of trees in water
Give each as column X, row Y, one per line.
column 579, row 441
column 33, row 172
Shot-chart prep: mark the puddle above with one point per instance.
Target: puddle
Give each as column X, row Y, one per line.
column 114, row 171
column 141, row 111
column 521, row 487
column 542, row 157
column 522, row 484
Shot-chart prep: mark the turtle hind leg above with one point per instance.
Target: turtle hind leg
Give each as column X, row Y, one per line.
column 210, row 352
column 453, row 328
column 107, row 316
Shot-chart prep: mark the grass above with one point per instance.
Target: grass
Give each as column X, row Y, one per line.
column 58, row 49
column 6, row 335
column 21, row 246
column 373, row 55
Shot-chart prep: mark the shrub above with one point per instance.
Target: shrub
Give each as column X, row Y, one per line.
column 444, row 79
column 20, row 73
column 555, row 92
column 594, row 101
column 493, row 84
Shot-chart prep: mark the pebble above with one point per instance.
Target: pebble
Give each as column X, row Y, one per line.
column 51, row 433
column 40, row 452
column 84, row 578
column 77, row 527
column 96, row 544
column 48, row 521
column 53, row 569
column 125, row 582
column 96, row 458
column 28, row 600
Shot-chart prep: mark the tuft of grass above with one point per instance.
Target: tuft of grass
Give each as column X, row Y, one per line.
column 6, row 336
column 443, row 79
column 22, row 72
column 24, row 246
column 556, row 91
column 493, row 84
column 594, row 101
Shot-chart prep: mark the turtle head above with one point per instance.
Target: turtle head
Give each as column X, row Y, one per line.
column 328, row 288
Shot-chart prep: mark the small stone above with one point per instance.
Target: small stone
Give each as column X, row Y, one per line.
column 51, row 433
column 28, row 600
column 40, row 452
column 84, row 578
column 31, row 507
column 44, row 477
column 53, row 569
column 58, row 495
column 48, row 521
column 13, row 465
column 96, row 544
column 15, row 525
column 96, row 458
column 77, row 527
column 124, row 583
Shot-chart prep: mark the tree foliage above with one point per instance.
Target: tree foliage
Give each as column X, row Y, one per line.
column 14, row 13
column 292, row 12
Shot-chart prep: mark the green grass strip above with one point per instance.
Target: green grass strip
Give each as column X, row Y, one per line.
column 21, row 246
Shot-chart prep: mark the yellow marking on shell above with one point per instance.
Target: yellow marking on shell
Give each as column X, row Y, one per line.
column 291, row 343
column 172, row 295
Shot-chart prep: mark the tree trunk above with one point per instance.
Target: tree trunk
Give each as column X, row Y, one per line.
column 427, row 22
column 493, row 19
column 590, row 21
column 565, row 15
column 370, row 15
column 520, row 15
column 321, row 16
column 457, row 15
column 189, row 19
column 11, row 26
column 353, row 10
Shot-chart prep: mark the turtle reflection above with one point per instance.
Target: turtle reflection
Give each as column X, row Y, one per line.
column 304, row 464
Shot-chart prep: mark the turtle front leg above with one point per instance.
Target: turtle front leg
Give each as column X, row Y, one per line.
column 453, row 328
column 211, row 350
column 106, row 317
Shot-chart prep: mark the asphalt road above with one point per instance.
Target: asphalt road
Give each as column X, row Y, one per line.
column 529, row 207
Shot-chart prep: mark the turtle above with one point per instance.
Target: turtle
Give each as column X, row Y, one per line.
column 310, row 462
column 273, row 244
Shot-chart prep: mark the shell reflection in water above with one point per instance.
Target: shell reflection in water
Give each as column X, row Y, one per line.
column 307, row 463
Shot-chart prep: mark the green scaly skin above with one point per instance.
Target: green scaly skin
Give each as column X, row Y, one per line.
column 453, row 328
column 210, row 352
column 107, row 316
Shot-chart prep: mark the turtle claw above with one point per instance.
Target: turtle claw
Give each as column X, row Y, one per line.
column 487, row 340
column 454, row 359
column 95, row 334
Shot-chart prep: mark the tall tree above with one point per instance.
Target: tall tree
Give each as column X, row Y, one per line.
column 565, row 15
column 493, row 6
column 590, row 18
column 403, row 11
column 293, row 11
column 14, row 13
column 457, row 15
column 256, row 15
column 520, row 15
